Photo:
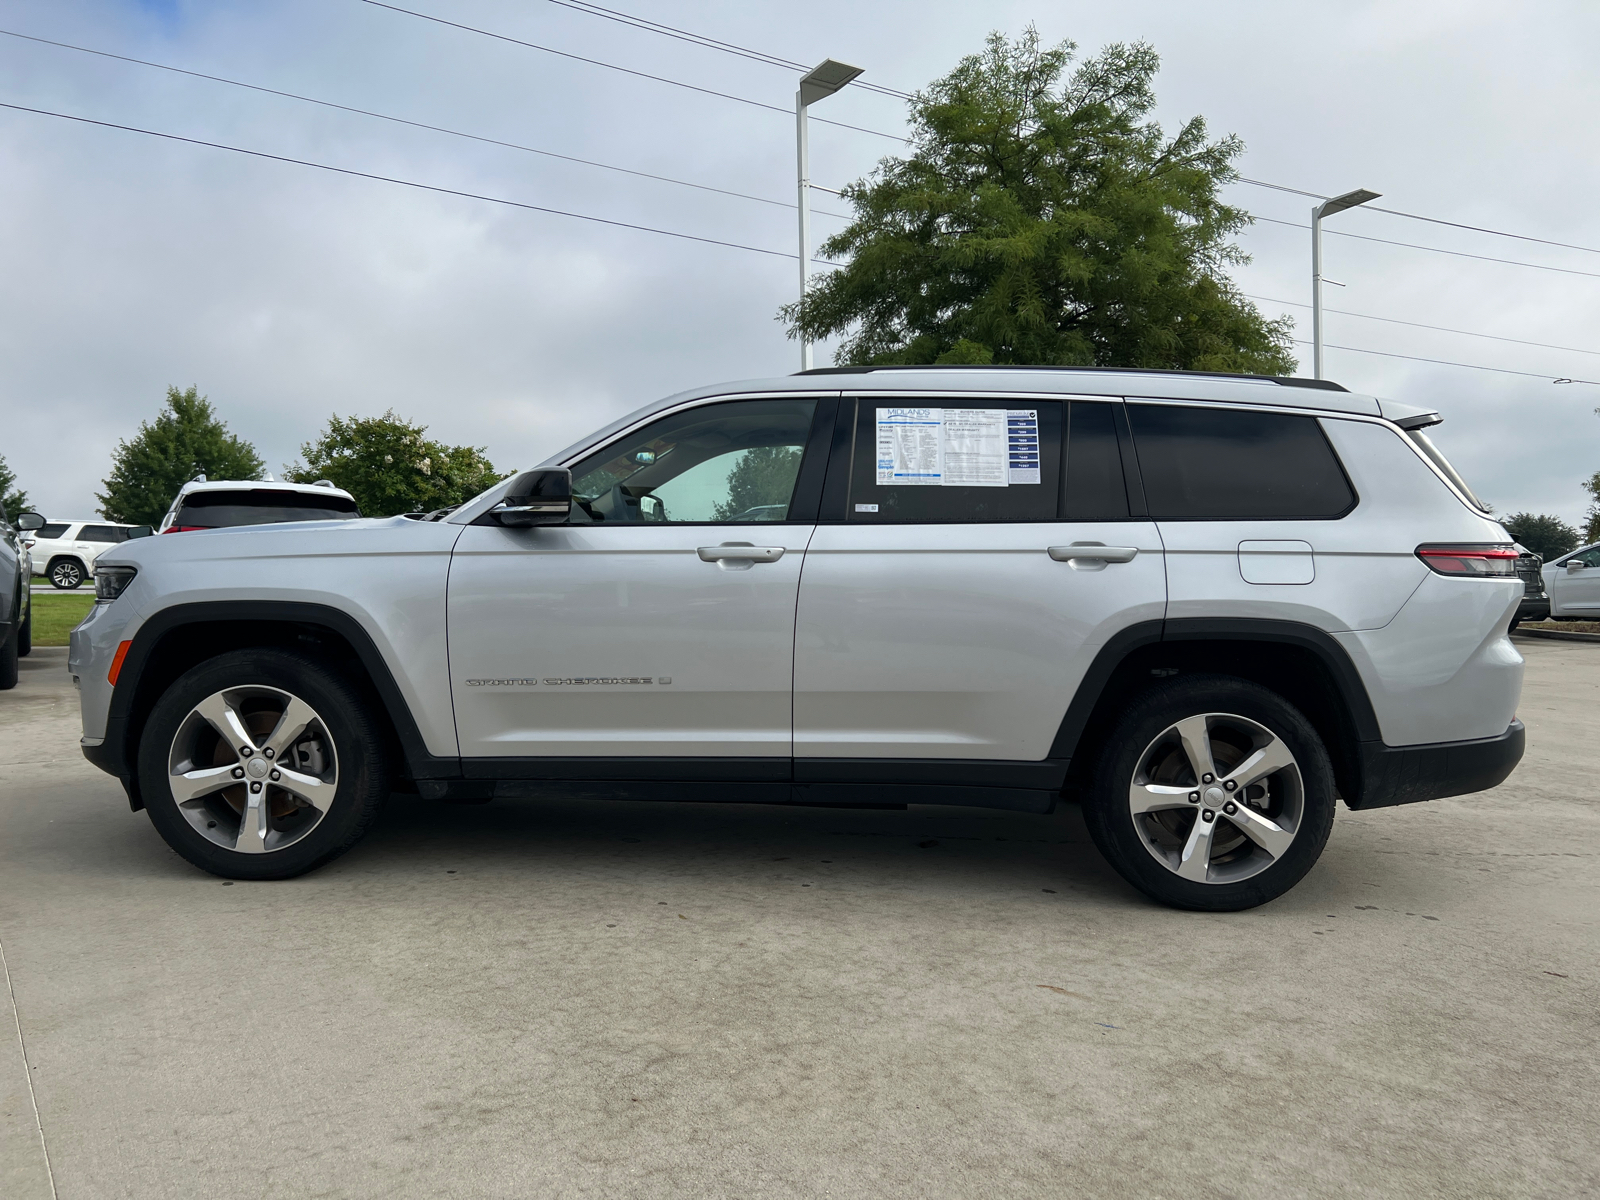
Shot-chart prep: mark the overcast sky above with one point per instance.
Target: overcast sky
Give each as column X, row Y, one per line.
column 287, row 293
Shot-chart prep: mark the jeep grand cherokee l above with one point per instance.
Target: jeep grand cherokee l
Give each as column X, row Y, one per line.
column 1207, row 607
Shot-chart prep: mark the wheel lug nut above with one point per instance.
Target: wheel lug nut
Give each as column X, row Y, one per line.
column 245, row 752
column 1194, row 797
column 268, row 752
column 1207, row 778
column 275, row 775
column 255, row 787
column 1230, row 808
column 238, row 772
column 1230, row 785
column 1208, row 816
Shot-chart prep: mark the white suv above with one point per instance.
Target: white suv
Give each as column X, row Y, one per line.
column 64, row 552
column 224, row 503
column 1203, row 606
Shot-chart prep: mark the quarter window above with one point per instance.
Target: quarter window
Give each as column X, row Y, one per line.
column 732, row 463
column 948, row 459
column 1218, row 464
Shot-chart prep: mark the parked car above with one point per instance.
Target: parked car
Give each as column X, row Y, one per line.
column 1535, row 603
column 1205, row 606
column 16, row 601
column 225, row 503
column 65, row 551
column 1573, row 582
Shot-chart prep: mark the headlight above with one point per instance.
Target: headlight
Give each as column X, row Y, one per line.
column 111, row 582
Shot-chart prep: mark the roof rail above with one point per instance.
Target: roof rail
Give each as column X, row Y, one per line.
column 1326, row 385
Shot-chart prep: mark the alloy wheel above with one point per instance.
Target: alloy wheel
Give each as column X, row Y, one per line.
column 1217, row 798
column 66, row 575
column 253, row 769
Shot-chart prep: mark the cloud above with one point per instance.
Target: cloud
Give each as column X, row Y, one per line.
column 287, row 294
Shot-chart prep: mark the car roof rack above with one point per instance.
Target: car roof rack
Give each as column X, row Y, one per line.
column 1326, row 385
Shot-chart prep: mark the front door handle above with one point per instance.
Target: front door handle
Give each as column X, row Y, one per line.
column 1093, row 552
column 740, row 552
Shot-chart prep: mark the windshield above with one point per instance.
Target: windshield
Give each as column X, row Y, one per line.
column 260, row 506
column 1425, row 444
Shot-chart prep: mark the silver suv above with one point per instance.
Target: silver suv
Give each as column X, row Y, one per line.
column 1206, row 607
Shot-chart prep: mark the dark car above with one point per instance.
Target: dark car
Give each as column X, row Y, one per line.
column 1535, row 605
column 16, row 607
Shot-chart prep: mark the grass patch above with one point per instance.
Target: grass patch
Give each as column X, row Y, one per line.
column 54, row 617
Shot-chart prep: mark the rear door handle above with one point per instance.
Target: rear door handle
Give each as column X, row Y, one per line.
column 742, row 552
column 1093, row 552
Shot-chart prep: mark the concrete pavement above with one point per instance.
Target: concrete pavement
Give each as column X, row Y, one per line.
column 524, row 999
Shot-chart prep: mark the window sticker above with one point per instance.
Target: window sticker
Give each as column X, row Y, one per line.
column 910, row 446
column 957, row 447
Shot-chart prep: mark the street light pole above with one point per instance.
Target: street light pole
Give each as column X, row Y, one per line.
column 823, row 80
column 1326, row 209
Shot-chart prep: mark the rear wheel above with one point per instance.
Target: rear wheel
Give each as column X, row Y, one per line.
column 1212, row 793
column 260, row 764
column 66, row 573
column 25, row 635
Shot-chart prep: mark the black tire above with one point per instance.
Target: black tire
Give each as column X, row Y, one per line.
column 1127, row 841
column 1515, row 621
column 25, row 634
column 67, row 574
column 362, row 780
column 8, row 660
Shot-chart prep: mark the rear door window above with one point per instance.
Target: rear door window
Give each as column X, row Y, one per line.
column 946, row 459
column 1221, row 464
column 260, row 506
column 103, row 533
column 52, row 530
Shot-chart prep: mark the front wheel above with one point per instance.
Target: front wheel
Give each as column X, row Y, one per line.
column 66, row 574
column 261, row 764
column 1212, row 793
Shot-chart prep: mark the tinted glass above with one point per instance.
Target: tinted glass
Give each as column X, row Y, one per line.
column 225, row 509
column 719, row 464
column 53, row 530
column 1094, row 486
column 984, row 460
column 103, row 533
column 1223, row 464
column 1589, row 558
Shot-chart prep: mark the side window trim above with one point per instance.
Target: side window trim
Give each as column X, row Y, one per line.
column 814, row 463
column 1132, row 478
column 841, row 451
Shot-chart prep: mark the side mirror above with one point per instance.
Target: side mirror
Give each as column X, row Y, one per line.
column 29, row 521
column 1574, row 566
column 542, row 497
column 140, row 531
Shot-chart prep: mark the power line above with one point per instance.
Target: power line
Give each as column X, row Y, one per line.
column 1445, row 362
column 410, row 183
column 1419, row 325
column 502, row 37
column 1395, row 212
column 365, row 112
column 709, row 43
column 1362, row 237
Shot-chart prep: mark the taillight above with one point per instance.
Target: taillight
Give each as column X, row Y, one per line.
column 1482, row 561
column 183, row 528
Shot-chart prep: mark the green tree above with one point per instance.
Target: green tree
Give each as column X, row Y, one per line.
column 1547, row 536
column 763, row 475
column 1042, row 217
column 390, row 467
column 184, row 441
column 12, row 498
column 1591, row 528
